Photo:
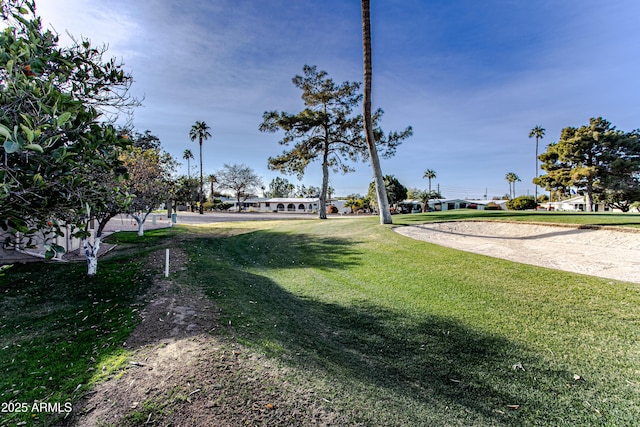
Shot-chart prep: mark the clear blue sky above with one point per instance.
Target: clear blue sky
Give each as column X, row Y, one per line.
column 471, row 77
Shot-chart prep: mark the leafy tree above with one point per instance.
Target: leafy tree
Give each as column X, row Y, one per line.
column 280, row 187
column 188, row 156
column 325, row 130
column 557, row 180
column 186, row 191
column 240, row 179
column 597, row 159
column 102, row 196
column 396, row 192
column 200, row 131
column 537, row 133
column 512, row 178
column 149, row 178
column 145, row 140
column 53, row 150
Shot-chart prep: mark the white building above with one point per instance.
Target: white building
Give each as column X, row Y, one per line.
column 278, row 204
column 575, row 204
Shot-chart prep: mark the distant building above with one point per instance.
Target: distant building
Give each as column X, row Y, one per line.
column 575, row 204
column 278, row 204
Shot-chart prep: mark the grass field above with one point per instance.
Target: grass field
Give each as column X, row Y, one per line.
column 385, row 330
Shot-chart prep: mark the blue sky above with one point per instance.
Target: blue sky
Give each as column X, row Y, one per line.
column 471, row 77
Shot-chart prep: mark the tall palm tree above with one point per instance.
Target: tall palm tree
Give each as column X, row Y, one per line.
column 381, row 192
column 200, row 131
column 188, row 155
column 538, row 133
column 511, row 178
column 429, row 174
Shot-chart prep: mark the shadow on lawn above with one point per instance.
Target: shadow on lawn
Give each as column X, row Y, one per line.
column 272, row 249
column 430, row 364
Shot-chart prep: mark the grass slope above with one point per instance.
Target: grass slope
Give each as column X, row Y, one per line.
column 399, row 332
column 381, row 328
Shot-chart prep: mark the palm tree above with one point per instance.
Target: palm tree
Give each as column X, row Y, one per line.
column 538, row 133
column 429, row 174
column 511, row 178
column 200, row 131
column 188, row 155
column 381, row 192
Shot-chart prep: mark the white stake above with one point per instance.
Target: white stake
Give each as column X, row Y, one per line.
column 166, row 264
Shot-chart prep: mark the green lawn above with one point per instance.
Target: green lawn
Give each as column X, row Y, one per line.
column 400, row 332
column 384, row 329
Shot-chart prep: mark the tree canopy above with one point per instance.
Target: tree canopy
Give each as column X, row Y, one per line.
column 396, row 192
column 600, row 161
column 240, row 179
column 325, row 130
column 53, row 146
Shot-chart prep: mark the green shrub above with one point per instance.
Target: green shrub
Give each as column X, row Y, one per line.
column 521, row 203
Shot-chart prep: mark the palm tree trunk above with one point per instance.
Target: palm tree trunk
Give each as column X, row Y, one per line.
column 201, row 180
column 536, row 185
column 383, row 202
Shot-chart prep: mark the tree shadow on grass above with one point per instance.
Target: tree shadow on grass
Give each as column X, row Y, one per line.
column 272, row 249
column 424, row 369
column 438, row 367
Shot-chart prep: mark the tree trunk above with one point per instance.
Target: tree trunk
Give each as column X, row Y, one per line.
column 322, row 212
column 201, row 179
column 140, row 219
column 588, row 205
column 91, row 254
column 536, row 185
column 383, row 202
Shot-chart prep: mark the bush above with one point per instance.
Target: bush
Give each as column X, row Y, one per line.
column 332, row 209
column 522, row 203
column 492, row 206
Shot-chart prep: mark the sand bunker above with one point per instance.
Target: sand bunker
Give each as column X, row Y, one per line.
column 608, row 253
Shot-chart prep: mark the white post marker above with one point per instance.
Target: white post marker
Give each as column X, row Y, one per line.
column 166, row 264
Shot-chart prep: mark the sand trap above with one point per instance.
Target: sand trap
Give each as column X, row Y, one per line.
column 604, row 253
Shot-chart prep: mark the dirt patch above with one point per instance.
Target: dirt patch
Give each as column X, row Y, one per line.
column 603, row 252
column 181, row 373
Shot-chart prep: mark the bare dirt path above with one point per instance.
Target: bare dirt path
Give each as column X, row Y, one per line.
column 604, row 252
column 182, row 371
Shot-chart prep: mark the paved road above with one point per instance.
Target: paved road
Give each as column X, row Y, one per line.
column 124, row 223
